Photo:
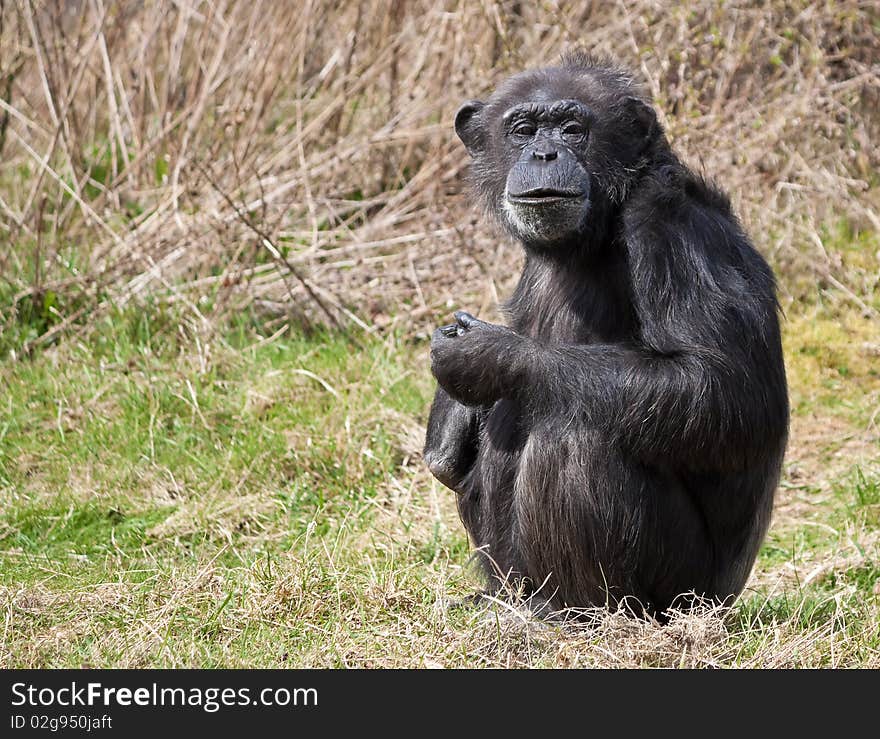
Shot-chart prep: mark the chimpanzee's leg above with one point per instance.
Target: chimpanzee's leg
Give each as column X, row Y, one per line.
column 486, row 502
column 597, row 528
column 452, row 440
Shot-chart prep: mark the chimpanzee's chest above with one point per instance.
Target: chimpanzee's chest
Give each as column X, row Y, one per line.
column 586, row 316
column 566, row 327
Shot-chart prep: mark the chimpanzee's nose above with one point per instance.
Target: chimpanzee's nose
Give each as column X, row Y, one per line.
column 545, row 156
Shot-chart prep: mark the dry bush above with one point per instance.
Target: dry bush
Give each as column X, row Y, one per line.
column 299, row 156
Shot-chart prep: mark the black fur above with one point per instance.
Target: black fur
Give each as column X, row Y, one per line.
column 622, row 438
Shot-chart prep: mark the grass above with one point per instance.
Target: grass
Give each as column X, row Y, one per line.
column 226, row 500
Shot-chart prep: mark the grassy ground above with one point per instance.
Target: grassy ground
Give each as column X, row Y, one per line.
column 226, row 500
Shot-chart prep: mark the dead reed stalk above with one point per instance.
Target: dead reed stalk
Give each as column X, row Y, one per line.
column 300, row 158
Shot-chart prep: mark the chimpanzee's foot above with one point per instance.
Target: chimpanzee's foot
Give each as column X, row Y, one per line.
column 469, row 602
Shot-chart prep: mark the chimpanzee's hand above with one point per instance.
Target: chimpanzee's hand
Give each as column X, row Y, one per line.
column 472, row 359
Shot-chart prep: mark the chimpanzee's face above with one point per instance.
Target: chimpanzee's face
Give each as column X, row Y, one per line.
column 549, row 147
column 547, row 195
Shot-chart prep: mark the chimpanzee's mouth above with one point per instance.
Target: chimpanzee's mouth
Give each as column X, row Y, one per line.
column 544, row 195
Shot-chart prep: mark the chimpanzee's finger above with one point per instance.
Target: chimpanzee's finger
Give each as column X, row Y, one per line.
column 465, row 319
column 451, row 330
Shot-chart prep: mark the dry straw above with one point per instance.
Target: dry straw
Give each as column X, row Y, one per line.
column 298, row 157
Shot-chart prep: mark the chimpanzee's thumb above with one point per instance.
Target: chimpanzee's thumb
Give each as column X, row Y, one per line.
column 465, row 319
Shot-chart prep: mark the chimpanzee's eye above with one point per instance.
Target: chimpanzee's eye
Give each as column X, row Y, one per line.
column 525, row 129
column 574, row 130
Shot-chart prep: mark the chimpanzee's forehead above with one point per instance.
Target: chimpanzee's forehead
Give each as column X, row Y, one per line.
column 598, row 88
column 549, row 86
column 550, row 110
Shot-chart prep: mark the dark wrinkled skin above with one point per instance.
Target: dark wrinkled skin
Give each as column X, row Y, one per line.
column 621, row 440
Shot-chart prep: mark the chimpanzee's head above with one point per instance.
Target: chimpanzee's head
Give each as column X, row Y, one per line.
column 555, row 149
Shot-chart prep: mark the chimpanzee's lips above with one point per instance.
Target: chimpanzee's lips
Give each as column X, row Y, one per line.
column 542, row 195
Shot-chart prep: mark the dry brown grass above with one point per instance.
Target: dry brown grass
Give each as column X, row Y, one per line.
column 299, row 156
column 324, row 608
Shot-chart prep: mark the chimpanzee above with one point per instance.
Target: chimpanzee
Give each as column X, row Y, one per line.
column 619, row 443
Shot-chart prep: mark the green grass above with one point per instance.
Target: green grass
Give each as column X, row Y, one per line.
column 131, row 462
column 88, row 428
column 173, row 500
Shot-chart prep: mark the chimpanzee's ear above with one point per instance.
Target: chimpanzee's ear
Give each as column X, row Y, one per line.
column 644, row 118
column 469, row 126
